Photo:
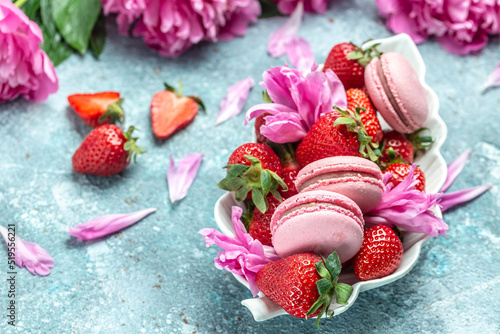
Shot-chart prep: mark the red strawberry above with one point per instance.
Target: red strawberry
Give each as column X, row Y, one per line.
column 304, row 284
column 259, row 121
column 105, row 151
column 402, row 148
column 400, row 171
column 259, row 225
column 97, row 109
column 358, row 98
column 337, row 133
column 170, row 111
column 349, row 61
column 254, row 171
column 380, row 253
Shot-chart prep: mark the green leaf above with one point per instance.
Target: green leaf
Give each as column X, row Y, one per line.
column 75, row 20
column 252, row 159
column 344, row 120
column 323, row 285
column 269, row 9
column 343, row 291
column 235, row 170
column 98, row 37
column 241, row 194
column 279, row 180
column 317, row 304
column 32, row 10
column 259, row 200
column 276, row 195
column 355, row 55
column 53, row 45
column 266, row 98
column 333, row 264
column 231, row 184
column 169, row 88
column 322, row 271
column 265, row 179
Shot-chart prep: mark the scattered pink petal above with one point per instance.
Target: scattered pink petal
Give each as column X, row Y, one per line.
column 232, row 104
column 405, row 207
column 454, row 169
column 27, row 254
column 300, row 54
column 279, row 40
column 242, row 255
column 181, row 178
column 461, row 196
column 493, row 79
column 103, row 225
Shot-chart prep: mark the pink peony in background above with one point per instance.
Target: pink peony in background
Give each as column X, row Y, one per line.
column 171, row 27
column 312, row 6
column 460, row 26
column 24, row 68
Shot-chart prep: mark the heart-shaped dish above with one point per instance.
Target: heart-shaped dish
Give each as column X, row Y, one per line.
column 432, row 163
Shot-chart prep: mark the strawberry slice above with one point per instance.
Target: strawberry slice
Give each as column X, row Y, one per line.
column 97, row 109
column 170, row 111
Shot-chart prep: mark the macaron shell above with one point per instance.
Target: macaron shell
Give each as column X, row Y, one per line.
column 406, row 89
column 357, row 178
column 319, row 231
column 319, row 222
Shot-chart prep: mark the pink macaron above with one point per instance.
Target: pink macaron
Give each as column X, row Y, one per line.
column 320, row 222
column 357, row 178
column 396, row 92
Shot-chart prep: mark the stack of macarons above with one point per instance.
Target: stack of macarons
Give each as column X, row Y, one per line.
column 327, row 213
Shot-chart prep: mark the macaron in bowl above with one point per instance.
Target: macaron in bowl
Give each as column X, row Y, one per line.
column 396, row 91
column 357, row 178
column 319, row 222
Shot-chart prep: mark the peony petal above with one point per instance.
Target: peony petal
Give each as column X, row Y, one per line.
column 232, row 104
column 279, row 40
column 272, row 108
column 461, row 196
column 242, row 255
column 300, row 54
column 407, row 208
column 493, row 79
column 107, row 224
column 454, row 169
column 283, row 128
column 179, row 180
column 27, row 254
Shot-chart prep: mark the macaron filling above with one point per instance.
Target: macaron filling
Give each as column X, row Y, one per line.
column 390, row 96
column 353, row 176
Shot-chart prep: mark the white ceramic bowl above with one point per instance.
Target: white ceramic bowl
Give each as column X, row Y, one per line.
column 432, row 163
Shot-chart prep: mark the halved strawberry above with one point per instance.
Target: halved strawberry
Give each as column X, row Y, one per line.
column 97, row 109
column 170, row 111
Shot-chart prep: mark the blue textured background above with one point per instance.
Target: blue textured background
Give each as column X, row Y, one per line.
column 157, row 276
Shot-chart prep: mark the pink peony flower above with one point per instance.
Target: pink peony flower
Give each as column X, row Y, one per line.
column 242, row 255
column 312, row 6
column 172, row 27
column 299, row 100
column 24, row 68
column 461, row 27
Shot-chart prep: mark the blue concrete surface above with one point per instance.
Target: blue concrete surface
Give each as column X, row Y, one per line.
column 157, row 276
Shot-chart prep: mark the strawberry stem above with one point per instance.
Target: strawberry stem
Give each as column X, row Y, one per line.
column 114, row 112
column 352, row 119
column 130, row 146
column 243, row 178
column 329, row 287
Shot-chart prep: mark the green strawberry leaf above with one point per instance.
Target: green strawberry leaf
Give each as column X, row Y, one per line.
column 343, row 291
column 75, row 20
column 276, row 195
column 279, row 180
column 252, row 159
column 317, row 304
column 355, row 55
column 333, row 264
column 322, row 271
column 344, row 120
column 324, row 285
column 169, row 88
column 235, row 170
column 265, row 179
column 259, row 200
column 241, row 193
column 231, row 184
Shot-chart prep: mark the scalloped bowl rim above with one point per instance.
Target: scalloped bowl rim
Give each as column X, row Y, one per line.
column 432, row 163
